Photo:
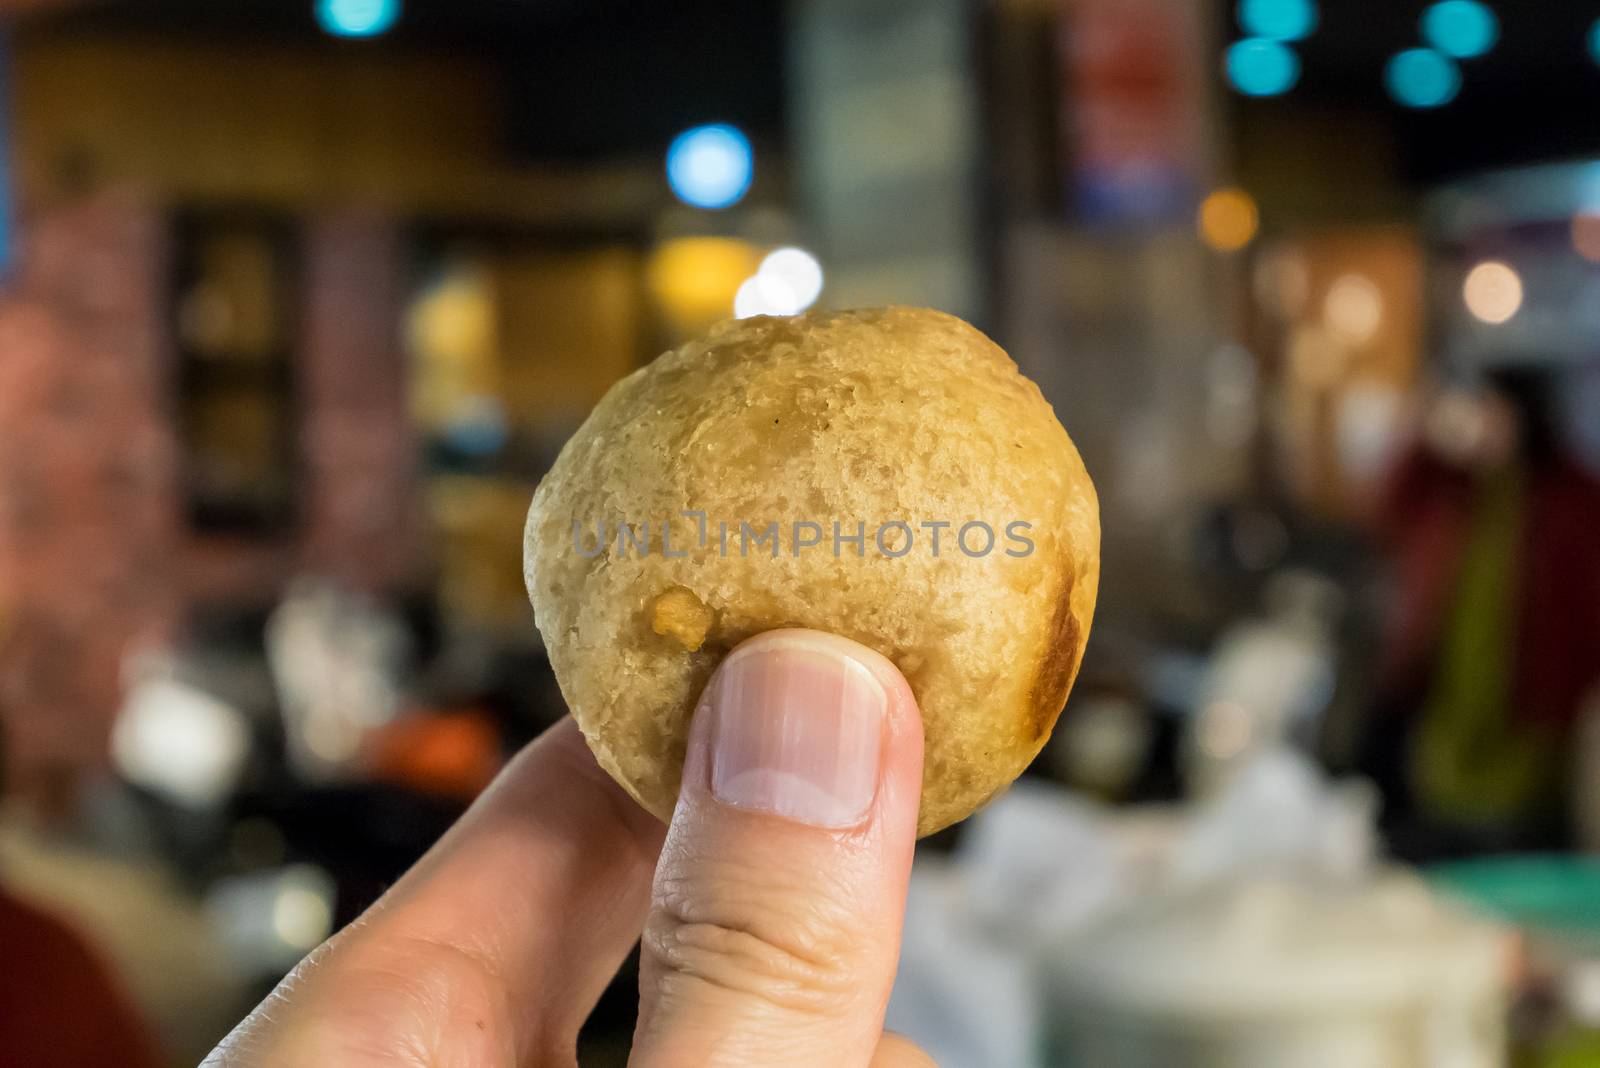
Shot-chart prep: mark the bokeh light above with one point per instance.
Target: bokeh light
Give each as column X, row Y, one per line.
column 1586, row 234
column 1493, row 292
column 301, row 917
column 1422, row 78
column 1460, row 28
column 1353, row 308
column 1278, row 20
column 693, row 279
column 179, row 742
column 8, row 244
column 1260, row 67
column 1228, row 220
column 1594, row 41
column 357, row 18
column 798, row 270
column 765, row 294
column 710, row 166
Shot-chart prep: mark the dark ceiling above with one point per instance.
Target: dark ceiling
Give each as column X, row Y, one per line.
column 1533, row 97
column 588, row 78
column 596, row 78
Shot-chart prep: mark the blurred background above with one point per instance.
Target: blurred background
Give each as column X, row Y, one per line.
column 298, row 298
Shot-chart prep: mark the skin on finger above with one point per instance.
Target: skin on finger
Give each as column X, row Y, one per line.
column 494, row 948
column 773, row 941
column 898, row 1051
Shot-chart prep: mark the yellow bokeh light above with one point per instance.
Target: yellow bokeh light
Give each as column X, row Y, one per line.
column 693, row 279
column 454, row 340
column 1586, row 234
column 1228, row 220
column 1493, row 292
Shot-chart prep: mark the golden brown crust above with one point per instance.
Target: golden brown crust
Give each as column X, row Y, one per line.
column 1063, row 648
column 876, row 417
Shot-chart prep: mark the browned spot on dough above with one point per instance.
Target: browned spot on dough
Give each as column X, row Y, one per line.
column 677, row 613
column 1059, row 662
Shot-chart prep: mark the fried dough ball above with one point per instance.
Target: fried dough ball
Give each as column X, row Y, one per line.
column 886, row 474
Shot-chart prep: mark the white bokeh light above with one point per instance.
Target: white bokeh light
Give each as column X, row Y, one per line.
column 301, row 915
column 1493, row 292
column 798, row 270
column 179, row 742
column 764, row 294
column 1354, row 308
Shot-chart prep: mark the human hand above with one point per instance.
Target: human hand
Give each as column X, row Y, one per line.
column 771, row 928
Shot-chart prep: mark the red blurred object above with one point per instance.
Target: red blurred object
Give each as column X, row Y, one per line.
column 59, row 1005
column 1135, row 117
column 1558, row 595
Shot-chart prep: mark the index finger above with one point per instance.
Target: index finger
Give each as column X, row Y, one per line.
column 503, row 936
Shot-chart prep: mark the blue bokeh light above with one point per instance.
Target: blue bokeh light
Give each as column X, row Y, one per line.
column 1259, row 67
column 1589, row 188
column 479, row 428
column 1278, row 20
column 1422, row 78
column 1460, row 28
column 1594, row 41
column 7, row 234
column 710, row 166
column 357, row 18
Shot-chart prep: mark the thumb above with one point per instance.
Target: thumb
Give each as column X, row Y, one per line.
column 775, row 922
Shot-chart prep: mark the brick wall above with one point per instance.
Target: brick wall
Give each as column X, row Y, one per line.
column 362, row 517
column 95, row 559
column 88, row 493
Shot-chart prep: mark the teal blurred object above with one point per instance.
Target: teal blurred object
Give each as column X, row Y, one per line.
column 1259, row 67
column 1461, row 28
column 1422, row 78
column 1546, row 894
column 357, row 18
column 1278, row 20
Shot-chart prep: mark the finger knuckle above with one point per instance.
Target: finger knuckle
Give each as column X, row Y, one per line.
column 795, row 967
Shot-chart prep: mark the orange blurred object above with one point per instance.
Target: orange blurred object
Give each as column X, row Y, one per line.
column 1586, row 235
column 1228, row 220
column 448, row 754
